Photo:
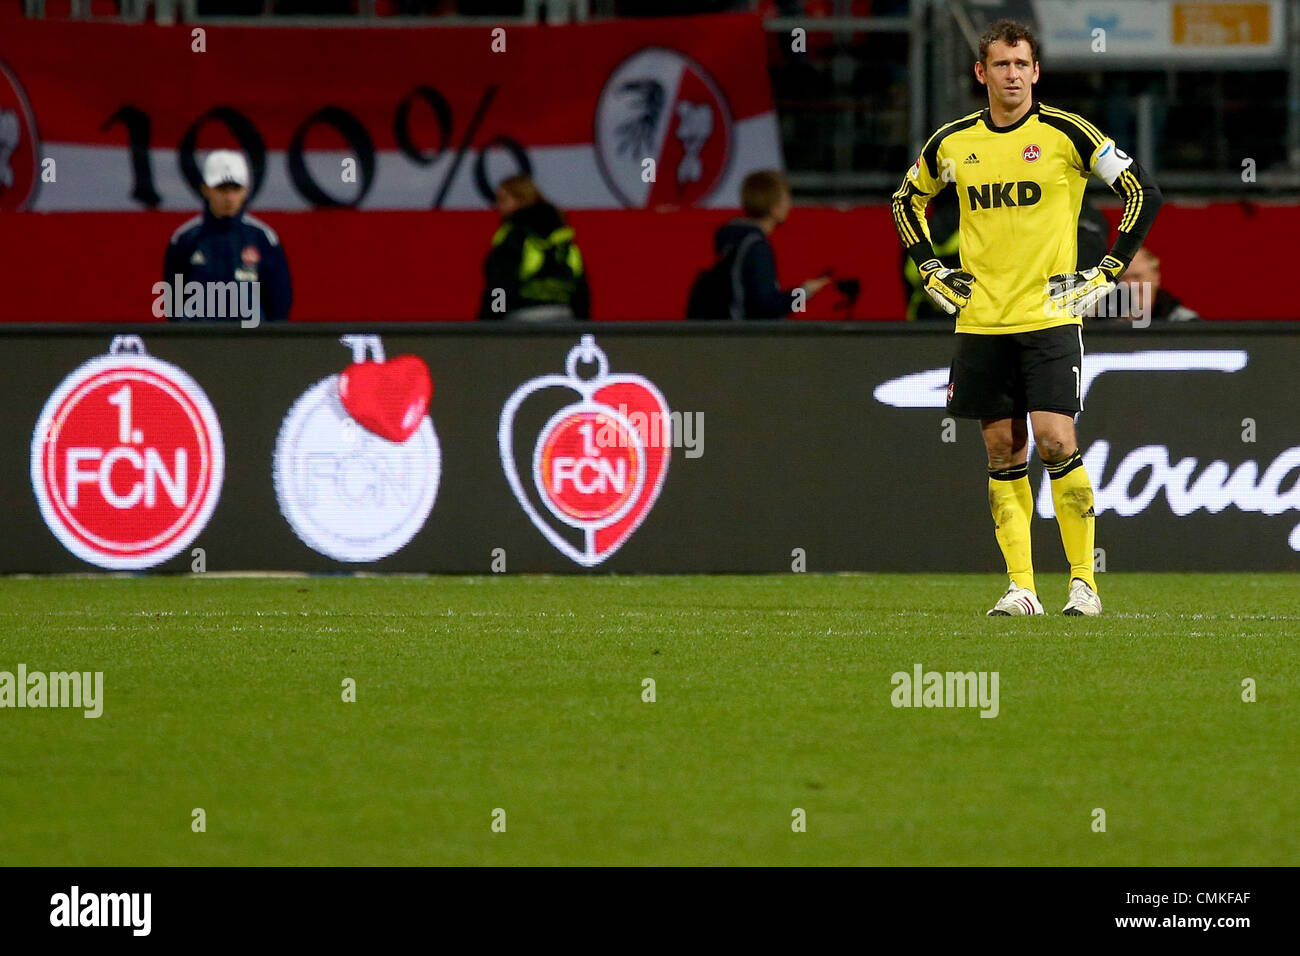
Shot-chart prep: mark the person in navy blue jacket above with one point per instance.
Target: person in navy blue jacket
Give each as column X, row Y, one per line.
column 746, row 260
column 226, row 245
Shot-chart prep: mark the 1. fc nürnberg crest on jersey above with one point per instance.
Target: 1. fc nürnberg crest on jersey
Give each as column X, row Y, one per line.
column 127, row 459
column 600, row 446
column 663, row 131
column 357, row 461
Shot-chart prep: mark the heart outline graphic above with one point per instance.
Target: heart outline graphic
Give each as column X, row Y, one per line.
column 594, row 550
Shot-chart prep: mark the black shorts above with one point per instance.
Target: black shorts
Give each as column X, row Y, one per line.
column 1010, row 375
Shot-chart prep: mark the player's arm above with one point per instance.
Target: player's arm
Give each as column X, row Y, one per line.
column 1078, row 292
column 174, row 262
column 763, row 297
column 277, row 285
column 949, row 288
column 501, row 271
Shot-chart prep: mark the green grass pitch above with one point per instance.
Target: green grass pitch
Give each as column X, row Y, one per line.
column 772, row 693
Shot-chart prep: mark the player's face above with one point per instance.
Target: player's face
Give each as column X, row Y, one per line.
column 225, row 200
column 1009, row 71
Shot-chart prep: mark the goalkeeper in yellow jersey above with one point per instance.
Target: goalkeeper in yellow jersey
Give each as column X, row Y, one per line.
column 1019, row 168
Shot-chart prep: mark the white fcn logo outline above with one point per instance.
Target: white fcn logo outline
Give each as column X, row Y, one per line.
column 586, row 352
column 318, row 426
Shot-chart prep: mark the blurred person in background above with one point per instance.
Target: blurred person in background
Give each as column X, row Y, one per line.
column 534, row 270
column 225, row 244
column 742, row 283
column 1143, row 281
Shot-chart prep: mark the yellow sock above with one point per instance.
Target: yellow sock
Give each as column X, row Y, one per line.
column 1072, row 495
column 1011, row 501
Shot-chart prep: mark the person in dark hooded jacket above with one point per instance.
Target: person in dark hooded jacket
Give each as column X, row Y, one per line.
column 534, row 270
column 746, row 262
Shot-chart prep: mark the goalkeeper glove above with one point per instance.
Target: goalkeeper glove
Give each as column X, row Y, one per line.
column 949, row 288
column 1075, row 293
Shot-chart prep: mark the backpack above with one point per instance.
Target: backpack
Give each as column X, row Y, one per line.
column 716, row 292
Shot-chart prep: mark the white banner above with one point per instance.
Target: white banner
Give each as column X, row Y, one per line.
column 1111, row 33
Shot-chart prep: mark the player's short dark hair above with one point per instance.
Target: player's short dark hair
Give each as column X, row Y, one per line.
column 761, row 191
column 1009, row 32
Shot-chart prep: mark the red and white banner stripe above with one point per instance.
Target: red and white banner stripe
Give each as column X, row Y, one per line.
column 630, row 113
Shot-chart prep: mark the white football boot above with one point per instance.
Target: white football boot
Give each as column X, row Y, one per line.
column 1017, row 600
column 1084, row 601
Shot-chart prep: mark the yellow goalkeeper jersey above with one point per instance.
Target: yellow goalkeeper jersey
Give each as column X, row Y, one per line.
column 1019, row 189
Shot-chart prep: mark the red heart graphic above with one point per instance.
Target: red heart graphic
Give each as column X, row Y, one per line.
column 653, row 427
column 387, row 398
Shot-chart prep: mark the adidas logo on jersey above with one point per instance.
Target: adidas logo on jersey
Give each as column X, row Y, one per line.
column 197, row 259
column 971, row 159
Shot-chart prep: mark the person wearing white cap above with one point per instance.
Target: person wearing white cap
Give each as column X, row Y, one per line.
column 223, row 245
column 225, row 181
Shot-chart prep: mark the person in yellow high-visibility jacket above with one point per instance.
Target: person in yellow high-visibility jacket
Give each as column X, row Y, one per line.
column 534, row 270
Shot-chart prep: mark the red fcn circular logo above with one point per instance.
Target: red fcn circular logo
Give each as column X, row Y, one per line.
column 127, row 461
column 590, row 466
column 1031, row 153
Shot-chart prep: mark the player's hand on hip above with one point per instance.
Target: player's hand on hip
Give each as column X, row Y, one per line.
column 1076, row 293
column 949, row 288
